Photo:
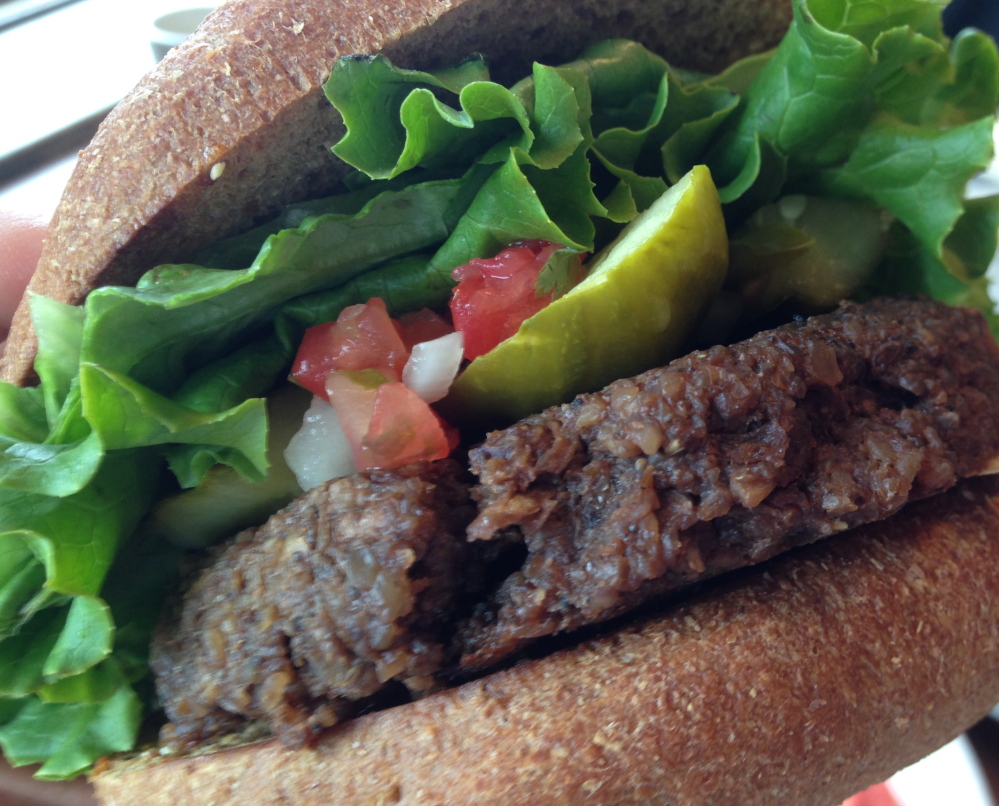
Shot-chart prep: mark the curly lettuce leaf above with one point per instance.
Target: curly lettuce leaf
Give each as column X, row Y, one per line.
column 180, row 317
column 406, row 284
column 75, row 537
column 128, row 415
column 21, row 577
column 845, row 87
column 617, row 71
column 971, row 93
column 506, row 209
column 97, row 683
column 66, row 703
column 22, row 413
column 239, row 251
column 808, row 102
column 59, row 328
column 917, row 174
column 957, row 277
column 49, row 469
column 23, row 654
column 65, row 700
column 45, row 446
column 395, row 122
column 56, row 644
column 66, row 738
column 971, row 246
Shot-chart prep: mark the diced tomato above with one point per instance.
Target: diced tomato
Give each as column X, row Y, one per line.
column 353, row 395
column 451, row 434
column 403, row 429
column 494, row 296
column 386, row 424
column 356, row 362
column 420, row 326
column 362, row 337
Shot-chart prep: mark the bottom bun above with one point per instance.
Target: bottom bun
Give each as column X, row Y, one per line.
column 802, row 681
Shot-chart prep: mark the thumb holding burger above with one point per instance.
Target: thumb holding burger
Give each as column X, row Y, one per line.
column 20, row 245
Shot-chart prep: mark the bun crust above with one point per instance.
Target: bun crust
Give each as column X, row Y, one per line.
column 801, row 681
column 245, row 93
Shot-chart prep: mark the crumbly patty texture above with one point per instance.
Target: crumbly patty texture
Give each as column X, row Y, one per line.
column 727, row 457
column 349, row 587
column 718, row 461
column 801, row 681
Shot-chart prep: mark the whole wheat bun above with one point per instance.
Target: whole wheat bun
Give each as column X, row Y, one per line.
column 799, row 682
column 244, row 97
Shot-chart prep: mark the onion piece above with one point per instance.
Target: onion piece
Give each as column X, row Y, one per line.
column 319, row 451
column 433, row 365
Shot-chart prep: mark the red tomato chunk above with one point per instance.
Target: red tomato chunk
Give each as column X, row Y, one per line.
column 362, row 337
column 356, row 363
column 494, row 296
column 422, row 325
column 403, row 429
column 386, row 425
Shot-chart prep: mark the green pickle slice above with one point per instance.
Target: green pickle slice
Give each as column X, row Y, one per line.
column 643, row 296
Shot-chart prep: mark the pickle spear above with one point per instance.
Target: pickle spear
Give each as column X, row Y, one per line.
column 642, row 297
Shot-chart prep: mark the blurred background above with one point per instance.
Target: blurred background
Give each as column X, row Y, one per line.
column 65, row 64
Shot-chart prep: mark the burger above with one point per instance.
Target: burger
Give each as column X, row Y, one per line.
column 419, row 628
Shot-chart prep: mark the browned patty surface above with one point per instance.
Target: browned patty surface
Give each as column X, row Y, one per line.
column 727, row 457
column 720, row 460
column 350, row 586
column 799, row 682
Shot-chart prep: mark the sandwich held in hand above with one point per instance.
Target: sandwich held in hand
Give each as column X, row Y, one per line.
column 352, row 565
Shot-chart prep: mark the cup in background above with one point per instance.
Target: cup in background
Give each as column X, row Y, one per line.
column 172, row 28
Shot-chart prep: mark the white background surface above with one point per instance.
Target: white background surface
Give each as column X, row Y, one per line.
column 65, row 66
column 68, row 65
column 949, row 777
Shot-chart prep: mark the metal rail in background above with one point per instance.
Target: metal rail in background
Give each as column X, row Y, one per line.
column 14, row 12
column 37, row 155
column 66, row 68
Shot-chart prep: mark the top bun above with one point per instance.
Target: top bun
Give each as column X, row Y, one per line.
column 233, row 124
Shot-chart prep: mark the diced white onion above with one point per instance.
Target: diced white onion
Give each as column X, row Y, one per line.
column 433, row 365
column 319, row 451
